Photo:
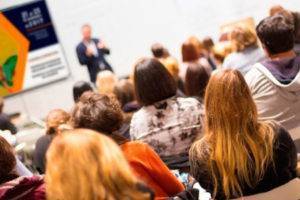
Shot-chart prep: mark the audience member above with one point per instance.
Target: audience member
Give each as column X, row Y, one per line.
column 5, row 123
column 239, row 155
column 79, row 88
column 103, row 114
column 124, row 92
column 169, row 124
column 196, row 79
column 159, row 51
column 191, row 51
column 275, row 82
column 101, row 172
column 247, row 51
column 91, row 52
column 172, row 66
column 54, row 120
column 13, row 186
column 106, row 81
column 208, row 45
column 220, row 51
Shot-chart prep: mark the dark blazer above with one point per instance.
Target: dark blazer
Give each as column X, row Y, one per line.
column 94, row 64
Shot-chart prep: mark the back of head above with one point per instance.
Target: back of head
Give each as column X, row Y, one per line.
column 79, row 88
column 152, row 81
column 190, row 50
column 171, row 65
column 55, row 119
column 124, row 91
column 106, row 81
column 243, row 37
column 7, row 161
column 97, row 112
column 233, row 133
column 196, row 79
column 208, row 43
column 158, row 50
column 101, row 172
column 276, row 34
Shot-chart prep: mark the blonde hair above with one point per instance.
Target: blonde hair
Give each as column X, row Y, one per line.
column 84, row 164
column 240, row 147
column 242, row 37
column 106, row 81
column 171, row 65
column 55, row 119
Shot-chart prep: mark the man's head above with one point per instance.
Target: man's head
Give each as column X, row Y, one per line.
column 276, row 34
column 86, row 31
column 159, row 51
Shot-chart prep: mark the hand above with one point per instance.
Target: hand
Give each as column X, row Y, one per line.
column 101, row 45
column 89, row 52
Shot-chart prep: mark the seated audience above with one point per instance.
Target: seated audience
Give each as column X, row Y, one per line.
column 169, row 124
column 54, row 120
column 13, row 186
column 275, row 82
column 5, row 123
column 106, row 81
column 239, row 155
column 247, row 51
column 192, row 52
column 103, row 114
column 101, row 172
column 196, row 79
column 79, row 88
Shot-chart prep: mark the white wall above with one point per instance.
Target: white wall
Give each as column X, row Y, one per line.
column 129, row 27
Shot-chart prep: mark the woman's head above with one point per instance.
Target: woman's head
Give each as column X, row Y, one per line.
column 84, row 164
column 196, row 79
column 243, row 37
column 79, row 88
column 171, row 65
column 7, row 161
column 55, row 119
column 152, row 81
column 240, row 146
column 97, row 112
column 124, row 91
column 106, row 81
column 191, row 50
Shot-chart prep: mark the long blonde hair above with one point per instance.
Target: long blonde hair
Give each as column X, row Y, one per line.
column 240, row 147
column 84, row 164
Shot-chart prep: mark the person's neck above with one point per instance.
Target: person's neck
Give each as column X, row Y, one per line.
column 87, row 40
column 287, row 54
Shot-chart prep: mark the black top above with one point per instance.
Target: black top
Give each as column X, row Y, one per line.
column 5, row 124
column 41, row 147
column 285, row 163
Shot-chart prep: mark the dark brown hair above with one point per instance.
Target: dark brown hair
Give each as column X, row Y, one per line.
column 7, row 161
column 124, row 91
column 196, row 79
column 158, row 50
column 152, row 81
column 276, row 34
column 97, row 112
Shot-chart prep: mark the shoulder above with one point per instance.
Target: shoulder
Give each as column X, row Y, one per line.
column 189, row 104
column 281, row 135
